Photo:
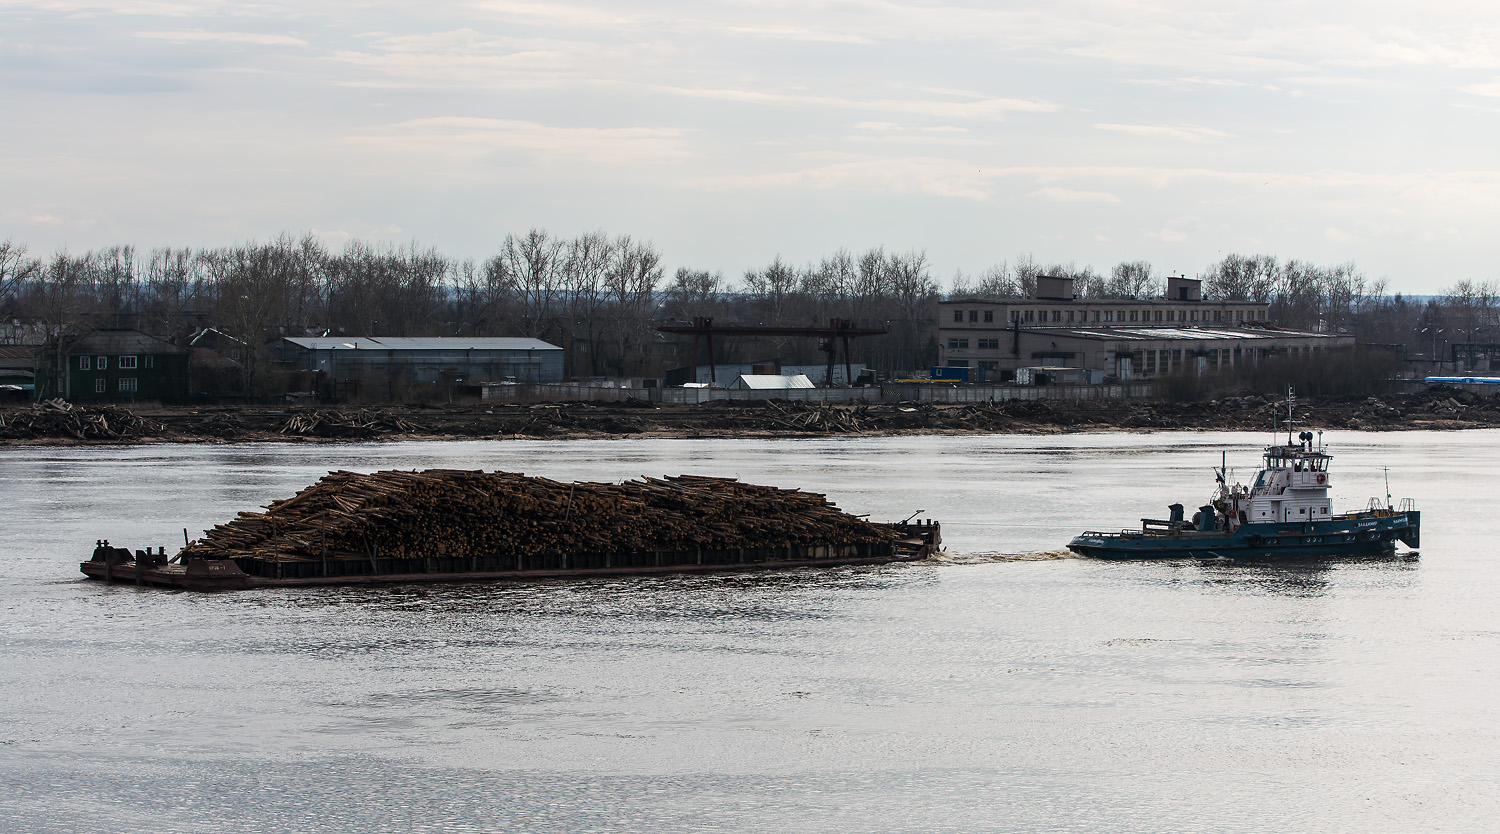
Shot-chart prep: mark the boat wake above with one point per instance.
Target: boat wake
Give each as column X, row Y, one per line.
column 951, row 558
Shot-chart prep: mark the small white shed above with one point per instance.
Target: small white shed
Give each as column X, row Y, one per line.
column 770, row 382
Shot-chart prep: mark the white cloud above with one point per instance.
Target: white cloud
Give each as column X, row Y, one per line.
column 882, row 175
column 199, row 35
column 1490, row 88
column 992, row 109
column 1184, row 133
column 445, row 141
column 1053, row 194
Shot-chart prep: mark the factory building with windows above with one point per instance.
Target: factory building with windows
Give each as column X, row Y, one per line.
column 1115, row 338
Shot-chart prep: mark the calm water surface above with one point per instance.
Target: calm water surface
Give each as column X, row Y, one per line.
column 1000, row 688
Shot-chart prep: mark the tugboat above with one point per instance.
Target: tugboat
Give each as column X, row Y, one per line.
column 1283, row 514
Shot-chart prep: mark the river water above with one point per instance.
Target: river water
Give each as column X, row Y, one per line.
column 1003, row 687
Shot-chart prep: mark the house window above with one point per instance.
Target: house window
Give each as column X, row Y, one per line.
column 958, row 315
column 989, row 315
column 127, row 362
column 1030, row 314
column 1057, row 315
column 1133, row 315
column 958, row 344
column 989, row 344
column 1096, row 315
column 150, row 361
column 101, row 362
column 99, row 386
column 1109, row 315
column 1171, row 315
column 1070, row 315
column 84, row 362
column 127, row 383
column 974, row 315
column 1015, row 315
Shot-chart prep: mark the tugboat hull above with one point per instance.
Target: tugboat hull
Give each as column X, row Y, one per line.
column 1361, row 534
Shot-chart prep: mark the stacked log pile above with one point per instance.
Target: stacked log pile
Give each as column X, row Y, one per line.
column 57, row 418
column 451, row 513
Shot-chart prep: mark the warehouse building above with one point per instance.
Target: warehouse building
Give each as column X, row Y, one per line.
column 1115, row 338
column 393, row 366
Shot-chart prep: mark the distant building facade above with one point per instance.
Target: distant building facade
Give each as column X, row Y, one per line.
column 1120, row 338
column 387, row 365
column 123, row 366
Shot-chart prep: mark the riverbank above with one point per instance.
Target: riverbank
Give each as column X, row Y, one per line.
column 48, row 423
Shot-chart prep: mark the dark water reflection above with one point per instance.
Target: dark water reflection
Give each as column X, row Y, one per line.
column 1002, row 688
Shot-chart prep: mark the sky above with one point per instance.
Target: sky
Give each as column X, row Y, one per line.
column 730, row 133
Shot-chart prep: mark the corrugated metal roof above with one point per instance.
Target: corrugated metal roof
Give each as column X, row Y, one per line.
column 771, row 381
column 420, row 343
column 1194, row 334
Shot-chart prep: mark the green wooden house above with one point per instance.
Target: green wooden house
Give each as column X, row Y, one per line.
column 124, row 366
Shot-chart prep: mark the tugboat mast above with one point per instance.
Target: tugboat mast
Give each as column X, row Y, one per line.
column 1290, row 399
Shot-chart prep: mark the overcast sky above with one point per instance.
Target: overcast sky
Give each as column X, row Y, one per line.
column 729, row 133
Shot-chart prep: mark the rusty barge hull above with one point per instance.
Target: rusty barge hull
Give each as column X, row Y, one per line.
column 917, row 541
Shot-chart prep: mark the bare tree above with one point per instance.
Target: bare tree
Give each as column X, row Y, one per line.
column 1241, row 278
column 998, row 281
column 16, row 268
column 175, row 284
column 772, row 289
column 1472, row 309
column 826, row 287
column 631, row 287
column 1026, row 272
column 62, row 301
column 585, row 268
column 914, row 293
column 693, row 292
column 1132, row 279
column 530, row 267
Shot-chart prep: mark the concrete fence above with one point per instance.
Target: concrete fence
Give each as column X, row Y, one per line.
column 570, row 392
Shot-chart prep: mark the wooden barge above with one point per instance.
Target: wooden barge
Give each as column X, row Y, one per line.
column 453, row 526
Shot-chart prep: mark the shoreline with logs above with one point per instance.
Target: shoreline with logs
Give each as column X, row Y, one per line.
column 59, row 423
column 459, row 525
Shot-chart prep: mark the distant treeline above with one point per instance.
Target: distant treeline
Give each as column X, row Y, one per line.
column 601, row 297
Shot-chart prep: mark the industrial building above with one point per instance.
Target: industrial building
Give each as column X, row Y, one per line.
column 1117, row 338
column 391, row 366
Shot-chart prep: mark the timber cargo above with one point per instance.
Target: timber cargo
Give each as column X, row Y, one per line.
column 453, row 525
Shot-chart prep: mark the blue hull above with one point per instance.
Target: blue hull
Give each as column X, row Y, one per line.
column 1363, row 534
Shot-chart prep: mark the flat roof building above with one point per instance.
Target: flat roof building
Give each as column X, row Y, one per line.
column 1124, row 338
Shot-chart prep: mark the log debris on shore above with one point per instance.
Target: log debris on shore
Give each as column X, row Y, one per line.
column 1439, row 407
